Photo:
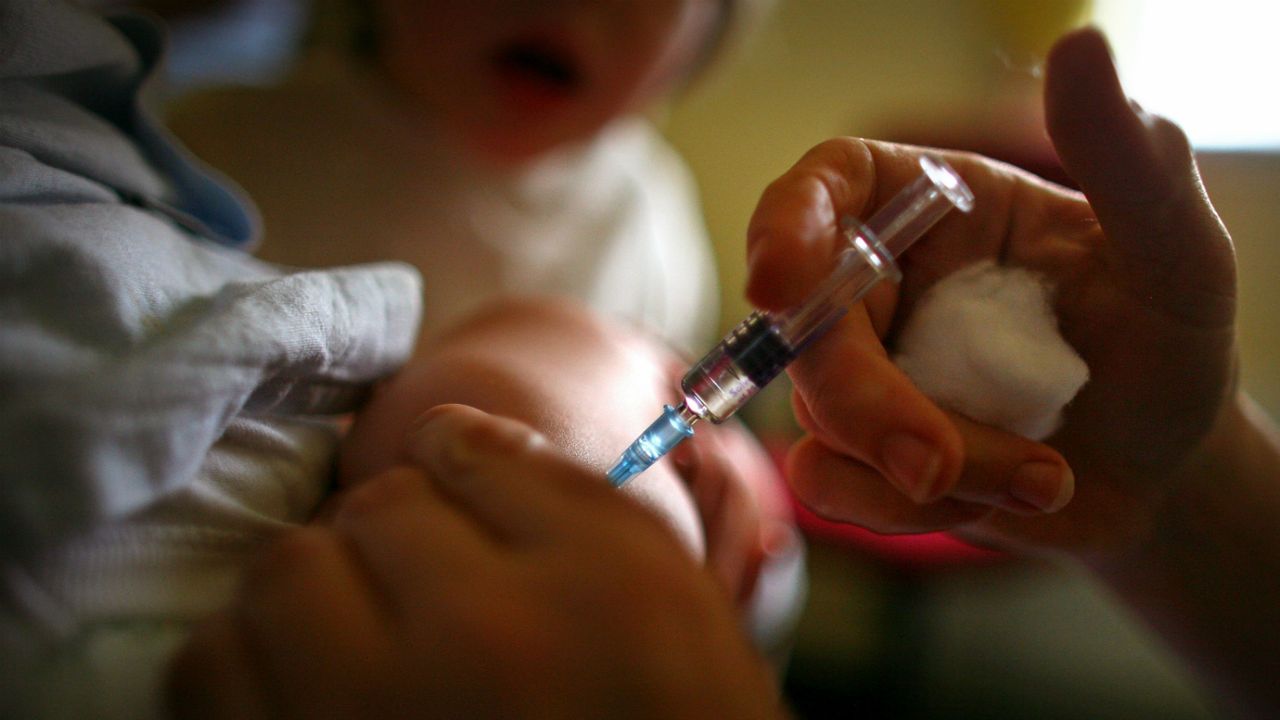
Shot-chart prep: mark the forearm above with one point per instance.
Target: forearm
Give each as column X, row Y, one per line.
column 1209, row 579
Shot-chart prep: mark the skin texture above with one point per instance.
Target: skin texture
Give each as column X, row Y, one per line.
column 621, row 56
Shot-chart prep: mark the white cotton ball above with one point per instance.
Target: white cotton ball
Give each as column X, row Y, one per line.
column 984, row 342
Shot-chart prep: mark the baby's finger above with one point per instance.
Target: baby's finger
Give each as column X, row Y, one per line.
column 1010, row 472
column 839, row 488
column 859, row 403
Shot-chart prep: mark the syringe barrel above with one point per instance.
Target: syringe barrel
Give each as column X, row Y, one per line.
column 761, row 346
column 860, row 266
column 935, row 192
column 873, row 247
column 751, row 355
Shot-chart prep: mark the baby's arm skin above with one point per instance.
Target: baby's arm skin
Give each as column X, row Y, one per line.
column 589, row 387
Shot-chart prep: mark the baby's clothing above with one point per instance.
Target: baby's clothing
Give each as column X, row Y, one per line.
column 614, row 222
column 167, row 399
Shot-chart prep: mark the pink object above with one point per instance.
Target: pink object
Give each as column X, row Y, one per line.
column 929, row 550
column 934, row 550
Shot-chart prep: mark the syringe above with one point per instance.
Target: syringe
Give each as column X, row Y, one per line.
column 761, row 346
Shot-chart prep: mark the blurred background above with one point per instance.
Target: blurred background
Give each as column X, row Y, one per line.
column 930, row 628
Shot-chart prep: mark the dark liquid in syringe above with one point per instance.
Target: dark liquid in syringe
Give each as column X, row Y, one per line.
column 758, row 348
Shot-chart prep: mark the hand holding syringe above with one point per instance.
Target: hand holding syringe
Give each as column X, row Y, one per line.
column 761, row 346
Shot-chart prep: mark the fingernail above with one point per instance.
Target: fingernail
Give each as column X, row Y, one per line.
column 913, row 463
column 1045, row 485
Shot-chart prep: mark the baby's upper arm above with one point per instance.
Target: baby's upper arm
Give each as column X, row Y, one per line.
column 587, row 385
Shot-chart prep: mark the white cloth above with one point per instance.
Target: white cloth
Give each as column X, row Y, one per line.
column 984, row 342
column 164, row 398
column 615, row 223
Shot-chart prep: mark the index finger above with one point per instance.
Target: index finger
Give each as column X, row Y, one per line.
column 795, row 230
column 854, row 398
column 850, row 395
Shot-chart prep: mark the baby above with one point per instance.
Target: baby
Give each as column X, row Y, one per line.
column 497, row 146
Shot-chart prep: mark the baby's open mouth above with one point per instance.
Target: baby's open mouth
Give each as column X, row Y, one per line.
column 539, row 63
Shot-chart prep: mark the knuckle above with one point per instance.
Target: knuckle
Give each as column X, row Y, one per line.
column 1170, row 135
column 843, row 152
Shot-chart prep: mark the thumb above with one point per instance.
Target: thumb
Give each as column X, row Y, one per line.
column 1140, row 177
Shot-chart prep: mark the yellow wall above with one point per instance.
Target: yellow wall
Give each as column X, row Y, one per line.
column 1245, row 188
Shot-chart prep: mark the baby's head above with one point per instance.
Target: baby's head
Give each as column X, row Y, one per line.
column 513, row 79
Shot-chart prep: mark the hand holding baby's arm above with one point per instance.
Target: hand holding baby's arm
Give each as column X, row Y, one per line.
column 495, row 578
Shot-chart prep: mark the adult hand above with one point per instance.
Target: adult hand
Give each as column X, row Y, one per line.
column 499, row 580
column 1145, row 292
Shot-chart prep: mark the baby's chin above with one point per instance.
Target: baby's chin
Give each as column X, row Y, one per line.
column 510, row 153
column 513, row 145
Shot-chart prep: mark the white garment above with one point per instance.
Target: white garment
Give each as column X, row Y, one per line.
column 614, row 223
column 164, row 398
